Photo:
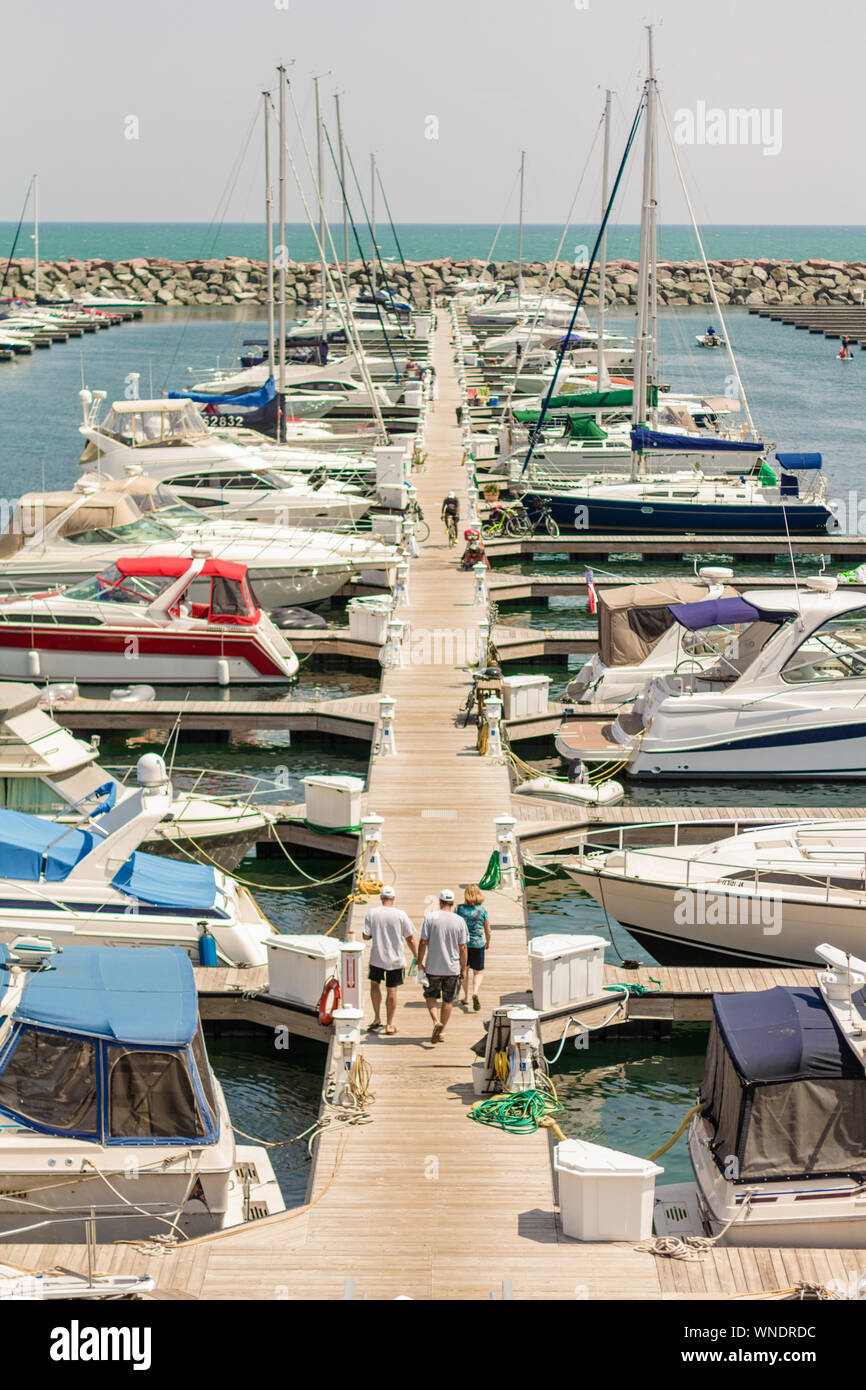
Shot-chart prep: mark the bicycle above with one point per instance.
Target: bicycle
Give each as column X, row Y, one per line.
column 451, row 528
column 544, row 518
column 504, row 521
column 416, row 516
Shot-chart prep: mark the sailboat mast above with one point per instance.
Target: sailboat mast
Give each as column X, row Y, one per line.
column 639, row 392
column 602, row 377
column 269, row 230
column 320, row 176
column 373, row 218
column 36, row 236
column 520, row 232
column 342, row 186
column 281, row 264
column 653, row 370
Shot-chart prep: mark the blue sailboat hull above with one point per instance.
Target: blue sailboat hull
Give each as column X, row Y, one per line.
column 581, row 511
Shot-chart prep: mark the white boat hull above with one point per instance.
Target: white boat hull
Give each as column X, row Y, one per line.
column 767, row 928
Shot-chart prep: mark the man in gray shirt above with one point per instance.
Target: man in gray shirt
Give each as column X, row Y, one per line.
column 386, row 928
column 443, row 944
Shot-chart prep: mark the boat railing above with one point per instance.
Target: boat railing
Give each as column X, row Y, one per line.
column 245, row 787
column 725, row 871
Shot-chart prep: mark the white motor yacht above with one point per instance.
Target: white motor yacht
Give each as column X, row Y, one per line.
column 762, row 896
column 784, row 700
column 184, row 620
column 93, row 883
column 110, row 1113
column 778, row 1151
column 63, row 539
column 46, row 771
column 639, row 638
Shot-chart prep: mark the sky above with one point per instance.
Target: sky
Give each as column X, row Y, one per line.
column 446, row 94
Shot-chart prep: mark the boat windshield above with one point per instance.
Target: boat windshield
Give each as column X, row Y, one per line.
column 154, row 423
column 835, row 652
column 140, row 532
column 113, row 587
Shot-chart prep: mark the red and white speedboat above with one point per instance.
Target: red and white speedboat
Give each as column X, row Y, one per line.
column 167, row 619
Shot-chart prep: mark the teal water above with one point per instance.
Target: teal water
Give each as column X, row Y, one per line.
column 184, row 241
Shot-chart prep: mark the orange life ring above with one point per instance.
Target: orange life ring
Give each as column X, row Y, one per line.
column 326, row 1008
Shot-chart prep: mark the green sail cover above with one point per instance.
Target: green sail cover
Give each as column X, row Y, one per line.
column 601, row 400
column 767, row 476
column 584, row 427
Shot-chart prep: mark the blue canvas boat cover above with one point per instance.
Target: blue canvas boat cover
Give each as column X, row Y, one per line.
column 643, row 438
column 713, row 612
column 115, row 992
column 250, row 400
column 26, row 842
column 29, row 842
column 167, row 882
column 783, row 1034
column 790, row 461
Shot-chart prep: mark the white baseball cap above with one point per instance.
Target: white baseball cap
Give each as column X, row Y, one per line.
column 387, row 891
column 446, row 896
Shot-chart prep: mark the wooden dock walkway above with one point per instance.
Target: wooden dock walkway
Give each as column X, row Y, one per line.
column 420, row 1202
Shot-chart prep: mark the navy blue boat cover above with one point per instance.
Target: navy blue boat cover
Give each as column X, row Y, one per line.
column 799, row 460
column 643, row 438
column 783, row 1034
column 712, row 612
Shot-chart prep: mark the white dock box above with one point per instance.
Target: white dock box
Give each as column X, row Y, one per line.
column 524, row 696
column 387, row 528
column 333, row 802
column 368, row 619
column 565, row 969
column 483, row 446
column 299, row 967
column 604, row 1194
column 390, row 465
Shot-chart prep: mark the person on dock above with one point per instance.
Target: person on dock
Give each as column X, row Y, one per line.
column 387, row 928
column 477, row 920
column 443, row 944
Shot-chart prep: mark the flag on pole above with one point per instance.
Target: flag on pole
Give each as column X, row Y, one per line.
column 591, row 590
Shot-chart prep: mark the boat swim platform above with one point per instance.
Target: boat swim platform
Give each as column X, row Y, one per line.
column 419, row 1201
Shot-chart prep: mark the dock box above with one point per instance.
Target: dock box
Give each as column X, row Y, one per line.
column 368, row 618
column 604, row 1194
column 565, row 969
column 388, row 528
column 333, row 802
column 524, row 696
column 483, row 446
column 391, row 465
column 299, row 967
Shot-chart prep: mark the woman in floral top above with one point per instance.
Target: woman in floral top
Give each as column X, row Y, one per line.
column 477, row 922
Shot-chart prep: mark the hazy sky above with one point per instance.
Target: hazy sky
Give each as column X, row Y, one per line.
column 497, row 76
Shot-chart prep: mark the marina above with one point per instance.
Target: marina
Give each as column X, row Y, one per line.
column 432, row 748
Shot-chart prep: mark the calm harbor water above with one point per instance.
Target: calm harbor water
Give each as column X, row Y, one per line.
column 428, row 241
column 628, row 1094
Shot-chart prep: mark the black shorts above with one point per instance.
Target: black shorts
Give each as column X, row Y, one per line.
column 475, row 957
column 444, row 985
column 392, row 978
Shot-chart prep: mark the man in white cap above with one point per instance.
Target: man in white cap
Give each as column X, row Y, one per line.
column 443, row 944
column 386, row 928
